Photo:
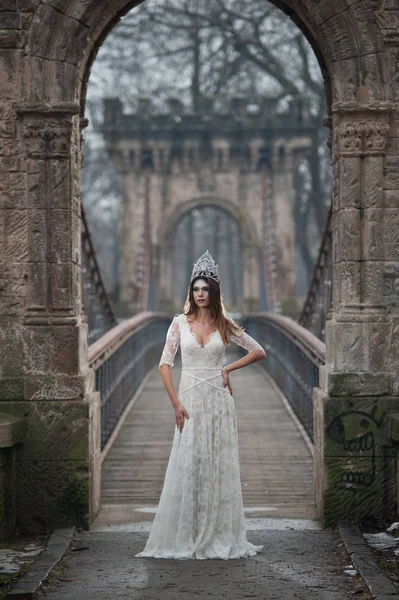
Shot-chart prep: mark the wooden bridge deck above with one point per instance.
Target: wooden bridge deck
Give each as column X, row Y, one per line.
column 276, row 465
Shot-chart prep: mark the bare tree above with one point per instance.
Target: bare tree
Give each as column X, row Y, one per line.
column 200, row 49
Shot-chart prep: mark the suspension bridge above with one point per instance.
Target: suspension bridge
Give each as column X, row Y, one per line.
column 273, row 399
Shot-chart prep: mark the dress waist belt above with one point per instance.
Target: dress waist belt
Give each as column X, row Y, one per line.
column 201, row 379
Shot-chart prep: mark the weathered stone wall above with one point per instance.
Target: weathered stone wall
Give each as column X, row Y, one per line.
column 46, row 49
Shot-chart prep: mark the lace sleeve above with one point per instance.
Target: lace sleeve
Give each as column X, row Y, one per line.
column 245, row 341
column 171, row 345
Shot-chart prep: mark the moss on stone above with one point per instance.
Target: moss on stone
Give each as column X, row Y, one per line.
column 12, row 388
column 74, row 503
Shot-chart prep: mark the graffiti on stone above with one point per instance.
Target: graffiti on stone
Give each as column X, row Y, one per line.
column 355, row 432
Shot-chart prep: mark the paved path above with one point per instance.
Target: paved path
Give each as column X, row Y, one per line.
column 276, row 465
column 300, row 561
column 296, row 564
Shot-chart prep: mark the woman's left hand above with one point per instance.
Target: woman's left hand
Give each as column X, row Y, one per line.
column 226, row 380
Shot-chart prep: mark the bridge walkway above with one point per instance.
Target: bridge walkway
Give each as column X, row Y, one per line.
column 275, row 462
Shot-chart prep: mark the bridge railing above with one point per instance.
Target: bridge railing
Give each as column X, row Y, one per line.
column 294, row 355
column 121, row 358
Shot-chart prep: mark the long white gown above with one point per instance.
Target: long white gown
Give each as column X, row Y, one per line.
column 200, row 513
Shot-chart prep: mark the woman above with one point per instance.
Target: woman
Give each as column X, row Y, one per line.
column 200, row 512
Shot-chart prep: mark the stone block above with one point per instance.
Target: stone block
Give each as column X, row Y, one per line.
column 13, row 199
column 76, row 287
column 4, row 182
column 7, row 135
column 359, row 488
column 9, row 20
column 347, row 230
column 61, row 285
column 390, row 234
column 373, row 181
column 344, row 81
column 18, row 181
column 8, row 498
column 38, row 285
column 372, row 65
column 9, row 147
column 376, row 348
column 94, row 401
column 12, row 430
column 8, row 5
column 32, row 88
column 51, row 494
column 391, row 269
column 337, row 32
column 348, row 349
column 373, row 282
column 37, row 186
column 7, row 111
column 392, row 356
column 373, row 244
column 355, row 458
column 61, row 243
column 65, row 350
column 59, row 175
column 388, row 286
column 34, row 165
column 76, row 234
column 391, row 179
column 95, row 453
column 12, row 39
column 11, row 163
column 38, row 346
column 53, row 431
column 393, row 145
column 54, row 387
column 11, row 388
column 393, row 427
column 15, row 236
column 65, row 76
column 11, row 62
column 355, row 383
column 11, row 349
column 26, row 17
column 349, row 174
column 11, row 306
column 37, row 226
column 14, row 277
column 349, row 276
column 28, row 5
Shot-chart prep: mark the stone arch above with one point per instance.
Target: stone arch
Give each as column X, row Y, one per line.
column 345, row 38
column 250, row 244
column 45, row 64
column 169, row 224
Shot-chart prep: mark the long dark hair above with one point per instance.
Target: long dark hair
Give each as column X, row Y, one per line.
column 224, row 325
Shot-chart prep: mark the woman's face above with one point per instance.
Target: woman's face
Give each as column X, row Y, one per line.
column 201, row 293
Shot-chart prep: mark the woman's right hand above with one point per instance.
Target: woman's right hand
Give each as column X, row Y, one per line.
column 180, row 413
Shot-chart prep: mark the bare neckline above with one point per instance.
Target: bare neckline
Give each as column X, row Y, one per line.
column 195, row 337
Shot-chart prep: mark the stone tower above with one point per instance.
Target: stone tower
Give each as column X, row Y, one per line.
column 242, row 161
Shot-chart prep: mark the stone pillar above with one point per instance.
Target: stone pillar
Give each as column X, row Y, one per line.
column 132, row 241
column 167, row 302
column 44, row 345
column 251, row 278
column 284, row 230
column 355, row 465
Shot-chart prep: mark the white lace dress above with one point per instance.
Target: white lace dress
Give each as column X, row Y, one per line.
column 200, row 513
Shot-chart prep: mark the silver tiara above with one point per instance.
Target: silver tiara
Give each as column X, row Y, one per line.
column 206, row 266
